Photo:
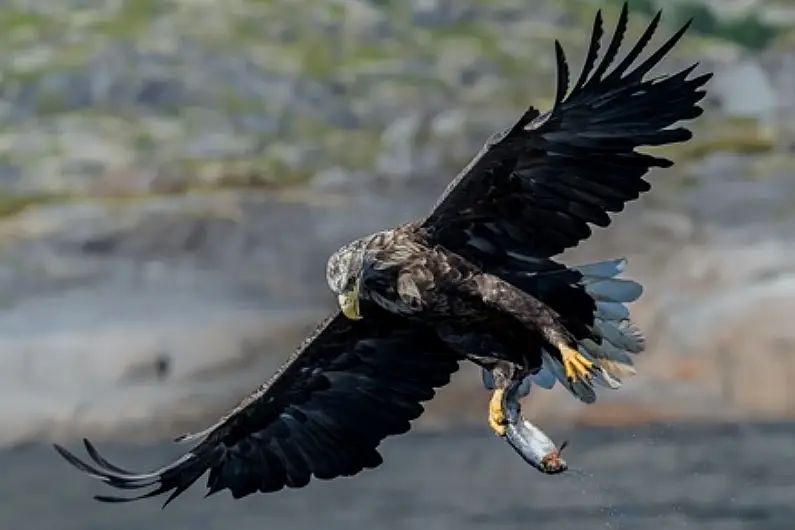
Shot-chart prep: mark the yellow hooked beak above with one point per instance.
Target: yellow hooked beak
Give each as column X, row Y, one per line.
column 349, row 303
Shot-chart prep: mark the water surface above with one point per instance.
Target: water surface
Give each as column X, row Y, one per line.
column 669, row 477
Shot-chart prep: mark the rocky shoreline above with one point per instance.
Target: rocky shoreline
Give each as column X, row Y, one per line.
column 168, row 204
column 164, row 321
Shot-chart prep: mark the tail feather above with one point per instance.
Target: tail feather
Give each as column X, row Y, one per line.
column 623, row 335
column 601, row 270
column 617, row 370
column 611, row 311
column 543, row 378
column 614, row 339
column 612, row 289
column 605, row 350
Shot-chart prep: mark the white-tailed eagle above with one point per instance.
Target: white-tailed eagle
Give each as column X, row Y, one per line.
column 473, row 281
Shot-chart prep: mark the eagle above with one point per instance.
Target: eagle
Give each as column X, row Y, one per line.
column 475, row 280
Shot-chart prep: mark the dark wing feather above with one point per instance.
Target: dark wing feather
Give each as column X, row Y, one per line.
column 534, row 189
column 323, row 414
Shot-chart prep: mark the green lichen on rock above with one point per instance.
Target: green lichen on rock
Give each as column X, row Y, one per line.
column 12, row 204
column 282, row 88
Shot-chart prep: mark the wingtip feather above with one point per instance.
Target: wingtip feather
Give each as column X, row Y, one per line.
column 563, row 73
column 592, row 54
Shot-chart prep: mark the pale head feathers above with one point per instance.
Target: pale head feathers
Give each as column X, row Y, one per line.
column 346, row 265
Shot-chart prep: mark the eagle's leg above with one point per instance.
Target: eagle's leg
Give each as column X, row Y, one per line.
column 497, row 420
column 498, row 378
column 577, row 367
column 523, row 390
column 537, row 317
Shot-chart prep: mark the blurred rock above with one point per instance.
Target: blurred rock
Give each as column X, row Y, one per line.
column 152, row 311
column 183, row 89
column 137, row 287
column 164, row 312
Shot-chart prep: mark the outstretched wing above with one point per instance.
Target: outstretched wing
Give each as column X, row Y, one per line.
column 323, row 414
column 532, row 190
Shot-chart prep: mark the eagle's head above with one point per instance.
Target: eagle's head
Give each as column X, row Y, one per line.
column 344, row 275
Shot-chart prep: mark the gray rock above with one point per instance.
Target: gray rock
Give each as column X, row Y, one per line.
column 398, row 147
column 198, row 89
column 104, row 358
column 120, row 312
column 147, row 312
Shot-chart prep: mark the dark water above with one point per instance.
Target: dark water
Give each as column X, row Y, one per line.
column 717, row 477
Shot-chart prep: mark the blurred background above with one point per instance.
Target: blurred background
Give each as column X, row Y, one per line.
column 175, row 173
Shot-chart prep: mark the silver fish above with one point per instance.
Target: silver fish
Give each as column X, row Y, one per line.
column 532, row 444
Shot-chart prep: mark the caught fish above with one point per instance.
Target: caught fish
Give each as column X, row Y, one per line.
column 532, row 444
column 535, row 447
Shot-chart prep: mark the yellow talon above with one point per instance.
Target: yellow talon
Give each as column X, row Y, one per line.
column 576, row 365
column 496, row 415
